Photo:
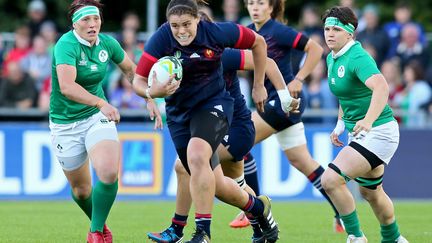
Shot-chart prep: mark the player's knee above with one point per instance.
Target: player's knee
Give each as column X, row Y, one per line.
column 81, row 191
column 198, row 161
column 331, row 179
column 179, row 168
column 108, row 175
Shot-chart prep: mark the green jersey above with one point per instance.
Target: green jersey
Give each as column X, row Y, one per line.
column 347, row 74
column 91, row 64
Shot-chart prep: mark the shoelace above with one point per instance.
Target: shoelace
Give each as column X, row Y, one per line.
column 169, row 233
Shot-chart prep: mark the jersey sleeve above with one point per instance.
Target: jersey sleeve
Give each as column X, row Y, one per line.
column 364, row 67
column 117, row 53
column 289, row 37
column 235, row 35
column 154, row 49
column 233, row 60
column 64, row 53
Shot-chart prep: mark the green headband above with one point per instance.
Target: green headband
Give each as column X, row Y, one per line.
column 333, row 21
column 83, row 12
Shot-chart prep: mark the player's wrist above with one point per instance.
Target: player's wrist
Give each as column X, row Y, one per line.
column 340, row 127
column 301, row 80
column 100, row 103
column 147, row 94
column 285, row 99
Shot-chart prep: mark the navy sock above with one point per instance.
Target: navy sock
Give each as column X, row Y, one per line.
column 250, row 172
column 254, row 206
column 178, row 223
column 315, row 179
column 203, row 222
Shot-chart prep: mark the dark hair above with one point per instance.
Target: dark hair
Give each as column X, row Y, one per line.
column 278, row 9
column 77, row 4
column 344, row 14
column 180, row 7
column 417, row 69
column 204, row 16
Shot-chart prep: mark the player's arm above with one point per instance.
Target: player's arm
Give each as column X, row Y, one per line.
column 259, row 51
column 313, row 54
column 128, row 67
column 73, row 91
column 338, row 130
column 273, row 73
column 380, row 94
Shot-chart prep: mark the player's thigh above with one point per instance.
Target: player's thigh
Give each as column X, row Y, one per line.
column 262, row 129
column 351, row 162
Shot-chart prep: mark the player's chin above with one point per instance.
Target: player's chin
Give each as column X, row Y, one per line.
column 183, row 42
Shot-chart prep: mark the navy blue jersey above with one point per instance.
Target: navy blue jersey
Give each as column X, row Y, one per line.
column 233, row 60
column 280, row 40
column 202, row 85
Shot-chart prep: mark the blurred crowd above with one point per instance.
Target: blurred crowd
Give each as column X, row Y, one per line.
column 400, row 48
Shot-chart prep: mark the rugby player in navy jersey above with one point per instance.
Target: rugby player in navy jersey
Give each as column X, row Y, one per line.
column 199, row 110
column 235, row 144
column 267, row 18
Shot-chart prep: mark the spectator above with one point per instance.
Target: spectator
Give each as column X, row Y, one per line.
column 231, row 11
column 131, row 21
column 310, row 20
column 49, row 32
column 373, row 34
column 123, row 96
column 44, row 95
column 318, row 95
column 392, row 73
column 410, row 47
column 21, row 48
column 17, row 89
column 402, row 15
column 416, row 94
column 37, row 16
column 2, row 50
column 37, row 64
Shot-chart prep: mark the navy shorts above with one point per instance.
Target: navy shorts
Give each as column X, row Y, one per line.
column 240, row 138
column 277, row 118
column 210, row 125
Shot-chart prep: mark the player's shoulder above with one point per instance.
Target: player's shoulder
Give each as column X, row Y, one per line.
column 357, row 51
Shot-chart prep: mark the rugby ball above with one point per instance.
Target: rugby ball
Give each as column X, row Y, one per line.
column 164, row 68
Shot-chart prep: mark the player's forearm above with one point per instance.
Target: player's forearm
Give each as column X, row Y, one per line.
column 378, row 102
column 314, row 53
column 259, row 50
column 274, row 74
column 77, row 93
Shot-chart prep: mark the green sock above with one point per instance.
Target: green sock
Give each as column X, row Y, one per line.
column 103, row 198
column 352, row 224
column 390, row 232
column 84, row 204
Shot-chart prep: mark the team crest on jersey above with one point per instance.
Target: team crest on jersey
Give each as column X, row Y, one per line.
column 103, row 56
column 83, row 61
column 208, row 53
column 341, row 71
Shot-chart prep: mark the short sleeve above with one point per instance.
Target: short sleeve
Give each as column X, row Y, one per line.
column 288, row 37
column 364, row 67
column 64, row 53
column 232, row 60
column 117, row 53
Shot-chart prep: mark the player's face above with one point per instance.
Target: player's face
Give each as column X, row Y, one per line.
column 184, row 28
column 259, row 11
column 88, row 27
column 336, row 38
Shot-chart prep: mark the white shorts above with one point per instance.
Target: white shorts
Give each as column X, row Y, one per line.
column 71, row 142
column 381, row 140
column 292, row 136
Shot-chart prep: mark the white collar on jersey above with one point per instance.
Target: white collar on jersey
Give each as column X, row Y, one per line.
column 344, row 49
column 84, row 42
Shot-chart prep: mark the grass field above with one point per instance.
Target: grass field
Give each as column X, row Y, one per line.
column 300, row 222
